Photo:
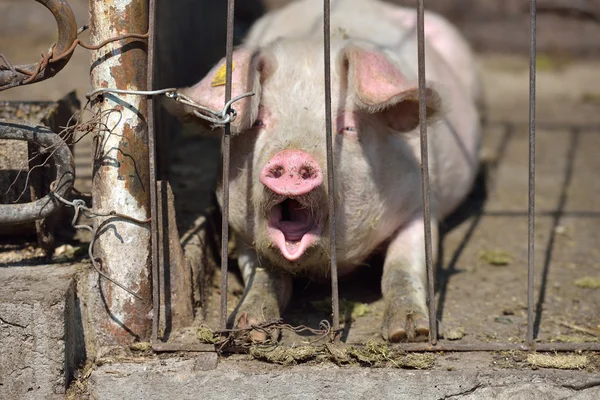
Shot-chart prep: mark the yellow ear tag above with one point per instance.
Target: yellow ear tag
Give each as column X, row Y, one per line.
column 219, row 79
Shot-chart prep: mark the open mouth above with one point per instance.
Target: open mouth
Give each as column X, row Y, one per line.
column 292, row 228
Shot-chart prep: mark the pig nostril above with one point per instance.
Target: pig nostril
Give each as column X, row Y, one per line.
column 277, row 171
column 306, row 172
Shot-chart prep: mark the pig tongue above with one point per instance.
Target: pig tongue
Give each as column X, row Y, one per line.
column 290, row 228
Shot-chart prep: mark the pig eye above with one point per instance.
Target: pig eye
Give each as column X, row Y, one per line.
column 348, row 130
column 259, row 123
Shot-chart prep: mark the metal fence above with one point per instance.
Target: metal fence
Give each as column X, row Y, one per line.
column 150, row 240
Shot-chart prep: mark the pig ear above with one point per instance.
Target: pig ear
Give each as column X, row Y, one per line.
column 380, row 87
column 250, row 69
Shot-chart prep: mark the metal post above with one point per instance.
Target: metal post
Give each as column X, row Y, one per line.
column 121, row 170
column 335, row 302
column 531, row 214
column 226, row 153
column 425, row 172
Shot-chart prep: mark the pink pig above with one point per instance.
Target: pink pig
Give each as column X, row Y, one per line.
column 278, row 188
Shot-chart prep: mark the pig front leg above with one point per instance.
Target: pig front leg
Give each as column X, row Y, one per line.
column 267, row 293
column 404, row 284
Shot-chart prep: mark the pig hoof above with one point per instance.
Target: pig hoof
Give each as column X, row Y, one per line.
column 405, row 326
column 256, row 335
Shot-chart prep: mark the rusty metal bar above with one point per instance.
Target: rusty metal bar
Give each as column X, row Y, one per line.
column 46, row 68
column 226, row 154
column 335, row 304
column 152, row 171
column 425, row 172
column 531, row 211
column 54, row 147
column 121, row 179
column 499, row 347
column 408, row 347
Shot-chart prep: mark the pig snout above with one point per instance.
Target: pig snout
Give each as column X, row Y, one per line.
column 292, row 173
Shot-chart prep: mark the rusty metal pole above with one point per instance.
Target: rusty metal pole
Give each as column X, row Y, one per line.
column 121, row 180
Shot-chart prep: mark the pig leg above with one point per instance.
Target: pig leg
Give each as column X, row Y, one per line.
column 267, row 293
column 404, row 284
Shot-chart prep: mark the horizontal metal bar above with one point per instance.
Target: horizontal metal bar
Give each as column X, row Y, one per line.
column 54, row 147
column 408, row 347
column 553, row 127
column 426, row 347
column 173, row 347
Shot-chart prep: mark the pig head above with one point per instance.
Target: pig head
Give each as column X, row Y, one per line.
column 279, row 170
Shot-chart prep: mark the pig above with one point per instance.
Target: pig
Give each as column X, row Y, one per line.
column 279, row 174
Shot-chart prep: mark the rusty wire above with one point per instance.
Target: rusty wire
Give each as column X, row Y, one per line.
column 11, row 76
column 80, row 207
column 55, row 147
column 240, row 337
column 94, row 125
column 49, row 58
column 67, row 136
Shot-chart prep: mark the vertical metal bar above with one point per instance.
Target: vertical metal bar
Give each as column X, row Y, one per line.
column 531, row 211
column 425, row 171
column 152, row 170
column 121, row 171
column 226, row 151
column 335, row 306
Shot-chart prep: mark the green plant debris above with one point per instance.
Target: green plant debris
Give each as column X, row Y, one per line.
column 455, row 334
column 558, row 361
column 206, row 335
column 140, row 346
column 504, row 320
column 574, row 339
column 593, row 98
column 497, row 258
column 588, row 282
column 349, row 310
column 544, row 62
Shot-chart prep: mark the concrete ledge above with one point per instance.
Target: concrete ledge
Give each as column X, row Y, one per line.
column 40, row 331
column 188, row 379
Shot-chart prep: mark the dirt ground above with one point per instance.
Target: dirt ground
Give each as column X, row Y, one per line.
column 481, row 274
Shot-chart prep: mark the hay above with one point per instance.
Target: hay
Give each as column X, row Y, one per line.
column 140, row 346
column 372, row 354
column 284, row 355
column 455, row 334
column 562, row 361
